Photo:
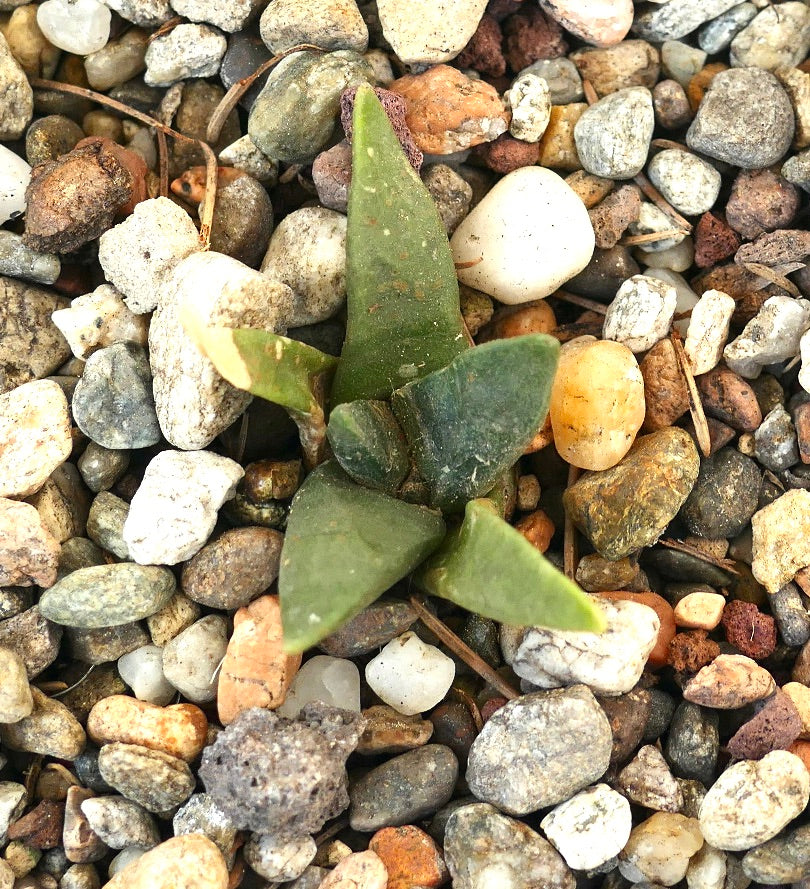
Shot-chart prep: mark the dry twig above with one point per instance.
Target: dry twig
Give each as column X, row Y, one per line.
column 570, row 534
column 695, row 404
column 582, row 301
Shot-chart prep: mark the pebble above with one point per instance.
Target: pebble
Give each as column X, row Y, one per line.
column 118, row 61
column 611, row 217
column 613, row 135
column 485, row 848
column 179, row 730
column 175, row 508
column 372, row 628
column 105, row 523
column 81, row 843
column 641, row 313
column 725, row 495
column 194, row 403
column 50, row 730
column 647, row 781
column 700, row 610
column 631, row 63
column 589, row 829
column 781, row 545
column 244, row 155
column 529, row 100
column 681, row 61
column 363, row 870
column 659, row 849
column 98, row 646
column 411, row 857
column 651, row 220
column 773, row 727
column 13, row 800
column 333, row 681
column 716, row 35
column 533, row 233
column 782, row 860
column 18, row 97
column 154, row 780
column 727, row 397
column 792, row 618
column 256, row 671
column 540, row 749
column 761, row 201
column 191, row 659
column 452, row 196
column 609, row 663
column 200, row 814
column 690, row 184
column 596, row 22
column 773, row 39
column 282, row 777
column 19, row 261
column 595, row 418
column 753, row 800
column 187, row 50
column 139, row 254
column 745, row 119
column 120, row 823
column 330, row 25
column 190, row 861
column 16, row 701
column 279, row 860
column 772, row 335
column 142, row 671
column 107, row 595
column 692, row 745
column 629, row 506
column 388, row 731
column 35, row 639
column 671, row 21
column 708, row 330
column 561, row 76
column 177, row 615
column 429, row 31
column 728, row 682
column 76, row 26
column 15, row 174
column 391, row 674
column 29, row 553
column 229, row 17
column 797, row 85
column 775, row 443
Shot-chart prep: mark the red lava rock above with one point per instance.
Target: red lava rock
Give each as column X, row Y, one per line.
column 691, row 651
column 134, row 164
column 501, row 9
column 801, row 420
column 332, row 174
column 483, row 52
column 506, row 154
column 749, row 630
column 761, row 201
column 395, row 107
column 41, row 828
column 492, row 706
column 611, row 216
column 715, row 240
column 531, row 35
column 730, row 399
column 665, row 393
column 775, row 727
column 537, row 528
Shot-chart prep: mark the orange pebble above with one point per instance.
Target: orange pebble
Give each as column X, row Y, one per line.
column 410, row 856
column 536, row 318
column 802, row 750
column 659, row 656
column 700, row 83
column 537, row 528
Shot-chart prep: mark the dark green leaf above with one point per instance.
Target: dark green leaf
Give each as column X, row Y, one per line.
column 403, row 307
column 344, row 546
column 489, row 568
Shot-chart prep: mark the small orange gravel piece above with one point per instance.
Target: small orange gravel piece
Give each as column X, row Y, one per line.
column 410, row 856
column 659, row 656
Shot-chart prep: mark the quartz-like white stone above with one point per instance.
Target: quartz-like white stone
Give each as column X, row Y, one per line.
column 410, row 675
column 525, row 239
column 142, row 670
column 279, row 860
column 77, row 26
column 244, row 155
column 610, row 663
column 12, row 802
column 689, row 183
column 778, row 37
column 686, row 298
column 590, row 828
column 640, row 313
column 708, row 867
column 333, row 680
column 330, row 24
column 772, row 335
column 186, row 51
column 175, row 508
column 529, row 100
column 15, row 174
column 230, row 15
column 429, row 31
column 653, row 220
column 191, row 660
column 804, row 352
column 708, row 330
column 677, row 258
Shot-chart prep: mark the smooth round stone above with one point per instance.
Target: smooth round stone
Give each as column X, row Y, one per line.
column 613, row 135
column 190, row 861
column 525, row 239
column 753, row 800
column 76, row 26
column 154, row 780
column 330, row 24
column 562, row 77
column 100, row 467
column 230, row 15
column 244, row 155
column 15, row 174
column 681, row 62
column 49, row 730
column 687, row 182
column 191, row 659
column 783, row 860
column 409, row 675
column 120, row 822
column 597, row 402
column 604, row 274
column 104, row 644
column 693, row 743
column 598, row 22
column 107, row 595
column 142, row 670
column 429, row 31
column 368, row 631
column 776, row 38
column 19, row 261
column 15, row 695
column 744, row 119
column 334, row 681
column 659, row 849
column 119, row 61
column 246, row 52
column 105, row 523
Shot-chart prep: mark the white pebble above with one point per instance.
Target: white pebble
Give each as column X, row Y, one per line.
column 610, row 663
column 529, row 235
column 186, row 51
column 142, row 670
column 77, row 26
column 772, row 335
column 640, row 313
column 191, row 660
column 279, row 860
column 689, row 183
column 677, row 258
column 175, row 508
column 124, row 858
column 708, row 330
column 530, row 102
column 15, row 174
column 429, row 31
column 410, row 675
column 804, row 351
column 231, row 16
column 590, row 828
column 707, row 869
column 686, row 298
column 333, row 680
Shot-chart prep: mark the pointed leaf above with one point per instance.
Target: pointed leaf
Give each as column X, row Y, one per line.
column 489, row 568
column 403, row 308
column 368, row 443
column 344, row 546
column 469, row 422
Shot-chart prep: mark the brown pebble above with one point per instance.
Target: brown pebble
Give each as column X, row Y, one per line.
column 372, row 628
column 558, row 149
column 483, row 52
column 801, row 421
column 627, row 715
column 271, row 480
column 802, row 750
column 715, row 240
column 700, row 83
column 41, row 828
column 454, row 726
column 133, row 163
column 665, row 393
column 82, row 844
column 749, row 630
column 410, row 856
column 729, row 398
column 530, row 35
column 761, row 201
column 689, row 652
column 659, row 656
column 509, row 321
column 719, row 434
column 611, row 217
column 506, row 154
column 332, row 174
column 728, row 682
column 629, row 63
column 537, row 528
column 388, row 731
column 596, row 574
column 775, row 727
column 776, row 248
column 671, row 105
column 590, row 189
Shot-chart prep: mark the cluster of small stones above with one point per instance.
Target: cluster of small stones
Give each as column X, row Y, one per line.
column 630, row 180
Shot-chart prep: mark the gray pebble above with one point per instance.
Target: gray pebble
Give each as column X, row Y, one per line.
column 744, row 119
column 368, row 631
column 451, row 194
column 101, row 467
column 792, row 618
column 246, row 52
column 243, row 220
column 191, row 658
column 279, row 860
column 775, row 443
column 785, row 859
column 101, row 645
column 79, row 552
column 796, row 169
column 50, row 137
column 19, row 261
column 676, row 19
column 201, row 814
column 14, row 600
column 86, row 767
column 662, row 708
column 693, row 743
column 689, row 183
column 105, row 523
column 561, row 75
column 153, row 779
column 35, row 639
column 716, row 35
column 121, row 822
column 186, row 51
column 113, row 403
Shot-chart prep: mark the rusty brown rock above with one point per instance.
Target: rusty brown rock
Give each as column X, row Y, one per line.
column 749, row 630
column 801, row 420
column 133, row 163
column 29, row 553
column 691, row 651
column 671, row 105
column 729, row 398
column 557, row 147
column 82, row 844
column 483, row 52
column 410, row 856
column 629, row 63
column 701, row 81
column 715, row 240
column 388, row 731
column 41, row 828
column 449, row 112
column 775, row 727
column 370, row 630
column 74, row 199
column 506, row 154
column 256, row 672
column 537, row 528
column 530, row 35
column 627, row 715
column 761, row 201
column 589, row 188
column 665, row 392
column 611, row 217
column 728, row 682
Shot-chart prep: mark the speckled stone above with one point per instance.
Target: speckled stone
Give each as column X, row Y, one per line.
column 190, row 861
column 35, row 639
column 692, row 745
column 154, row 780
column 50, row 730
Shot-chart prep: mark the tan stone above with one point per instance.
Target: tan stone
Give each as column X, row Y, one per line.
column 665, row 392
column 448, row 112
column 797, row 86
column 256, row 671
column 29, row 554
column 800, row 695
column 177, row 615
column 557, row 147
column 700, row 611
column 179, row 730
column 360, row 869
column 659, row 849
column 630, row 63
column 591, row 189
column 728, row 682
column 190, row 861
column 781, row 539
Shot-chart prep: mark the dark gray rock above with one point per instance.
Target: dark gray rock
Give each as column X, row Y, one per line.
column 785, row 859
column 374, row 627
column 693, row 743
column 101, row 467
column 662, row 709
column 792, row 618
